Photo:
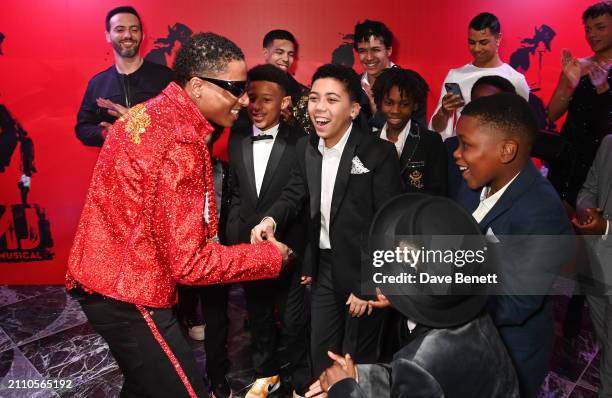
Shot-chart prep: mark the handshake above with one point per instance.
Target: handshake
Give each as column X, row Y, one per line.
column 265, row 231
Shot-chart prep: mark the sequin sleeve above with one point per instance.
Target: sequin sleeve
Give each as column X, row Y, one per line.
column 180, row 231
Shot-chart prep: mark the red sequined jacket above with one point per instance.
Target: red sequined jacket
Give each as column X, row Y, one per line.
column 142, row 229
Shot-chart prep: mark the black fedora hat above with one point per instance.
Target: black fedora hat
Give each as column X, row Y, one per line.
column 430, row 224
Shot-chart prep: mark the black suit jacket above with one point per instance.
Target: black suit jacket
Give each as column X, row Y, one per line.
column 356, row 198
column 423, row 162
column 247, row 209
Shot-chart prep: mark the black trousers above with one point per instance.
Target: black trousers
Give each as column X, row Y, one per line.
column 334, row 329
column 288, row 296
column 146, row 369
column 213, row 299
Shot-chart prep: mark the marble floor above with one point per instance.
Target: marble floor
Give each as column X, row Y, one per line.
column 44, row 335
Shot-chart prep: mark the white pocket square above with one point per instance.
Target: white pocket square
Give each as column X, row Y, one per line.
column 490, row 236
column 357, row 167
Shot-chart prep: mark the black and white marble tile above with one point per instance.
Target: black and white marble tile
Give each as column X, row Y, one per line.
column 14, row 293
column 107, row 385
column 581, row 392
column 5, row 341
column 78, row 354
column 590, row 378
column 572, row 356
column 555, row 387
column 39, row 316
column 15, row 370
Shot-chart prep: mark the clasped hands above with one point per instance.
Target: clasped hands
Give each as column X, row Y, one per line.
column 265, row 231
column 573, row 69
column 590, row 222
column 342, row 368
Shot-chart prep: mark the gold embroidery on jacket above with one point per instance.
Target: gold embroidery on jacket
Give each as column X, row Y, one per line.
column 137, row 120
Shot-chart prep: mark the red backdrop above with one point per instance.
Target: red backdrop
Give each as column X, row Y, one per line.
column 52, row 48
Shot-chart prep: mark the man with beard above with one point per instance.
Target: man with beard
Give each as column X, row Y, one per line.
column 130, row 81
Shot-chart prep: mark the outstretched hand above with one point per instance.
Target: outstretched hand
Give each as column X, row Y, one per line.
column 571, row 67
column 598, row 73
column 114, row 109
column 381, row 300
column 357, row 306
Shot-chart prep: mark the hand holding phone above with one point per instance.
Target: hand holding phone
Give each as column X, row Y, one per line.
column 453, row 99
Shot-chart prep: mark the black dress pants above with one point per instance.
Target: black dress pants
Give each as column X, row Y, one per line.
column 214, row 301
column 288, row 296
column 147, row 370
column 334, row 329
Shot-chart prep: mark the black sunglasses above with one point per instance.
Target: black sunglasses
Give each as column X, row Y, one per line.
column 236, row 88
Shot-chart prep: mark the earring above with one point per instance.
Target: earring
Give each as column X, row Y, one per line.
column 197, row 96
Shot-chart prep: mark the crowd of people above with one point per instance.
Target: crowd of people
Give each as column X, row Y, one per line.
column 312, row 171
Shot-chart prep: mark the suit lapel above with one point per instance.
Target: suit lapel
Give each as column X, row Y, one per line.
column 410, row 145
column 344, row 171
column 522, row 182
column 275, row 156
column 249, row 166
column 313, row 175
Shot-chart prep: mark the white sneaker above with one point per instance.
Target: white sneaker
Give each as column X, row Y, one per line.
column 263, row 387
column 197, row 332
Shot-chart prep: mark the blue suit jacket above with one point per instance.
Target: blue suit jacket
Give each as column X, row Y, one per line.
column 526, row 222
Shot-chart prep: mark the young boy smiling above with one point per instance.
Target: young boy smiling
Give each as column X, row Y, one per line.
column 345, row 174
column 262, row 155
column 495, row 138
column 399, row 94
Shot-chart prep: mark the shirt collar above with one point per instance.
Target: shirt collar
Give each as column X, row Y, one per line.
column 339, row 145
column 188, row 110
column 364, row 75
column 273, row 131
column 402, row 135
column 492, row 200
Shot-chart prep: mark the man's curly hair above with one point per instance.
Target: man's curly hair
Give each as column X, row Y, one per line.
column 204, row 54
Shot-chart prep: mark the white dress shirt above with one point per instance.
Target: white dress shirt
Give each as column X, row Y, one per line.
column 401, row 138
column 487, row 203
column 364, row 75
column 261, row 153
column 329, row 170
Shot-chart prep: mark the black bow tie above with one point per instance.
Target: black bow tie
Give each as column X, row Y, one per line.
column 262, row 137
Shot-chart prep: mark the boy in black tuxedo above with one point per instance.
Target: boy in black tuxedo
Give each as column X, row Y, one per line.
column 262, row 155
column 399, row 94
column 344, row 176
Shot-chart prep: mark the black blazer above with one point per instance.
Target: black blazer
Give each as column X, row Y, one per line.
column 424, row 161
column 247, row 209
column 355, row 200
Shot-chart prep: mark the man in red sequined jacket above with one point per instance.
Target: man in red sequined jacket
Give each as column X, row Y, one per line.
column 150, row 221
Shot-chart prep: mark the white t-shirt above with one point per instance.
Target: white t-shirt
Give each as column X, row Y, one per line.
column 466, row 76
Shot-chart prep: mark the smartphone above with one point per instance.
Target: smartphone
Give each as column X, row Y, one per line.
column 453, row 88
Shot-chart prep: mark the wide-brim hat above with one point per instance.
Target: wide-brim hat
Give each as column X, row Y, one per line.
column 424, row 222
